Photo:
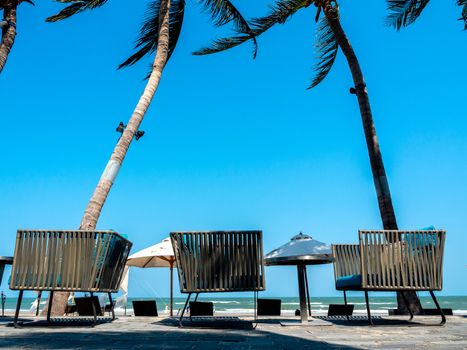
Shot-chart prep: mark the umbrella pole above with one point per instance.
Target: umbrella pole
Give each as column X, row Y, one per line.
column 171, row 287
column 307, row 292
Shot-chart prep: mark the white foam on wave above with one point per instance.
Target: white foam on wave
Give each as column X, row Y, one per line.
column 224, row 302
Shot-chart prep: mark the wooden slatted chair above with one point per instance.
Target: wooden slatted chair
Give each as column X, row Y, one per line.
column 68, row 261
column 220, row 261
column 391, row 261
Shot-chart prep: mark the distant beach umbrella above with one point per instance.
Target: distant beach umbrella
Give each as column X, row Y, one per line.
column 158, row 255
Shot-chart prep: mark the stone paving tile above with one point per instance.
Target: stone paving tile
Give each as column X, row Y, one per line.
column 140, row 333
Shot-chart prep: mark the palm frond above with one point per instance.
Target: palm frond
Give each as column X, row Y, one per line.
column 279, row 13
column 75, row 7
column 463, row 3
column 404, row 12
column 149, row 32
column 224, row 12
column 326, row 47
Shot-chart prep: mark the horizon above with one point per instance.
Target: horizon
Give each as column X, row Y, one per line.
column 233, row 143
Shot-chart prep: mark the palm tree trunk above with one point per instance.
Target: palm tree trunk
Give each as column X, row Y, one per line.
column 376, row 160
column 94, row 207
column 8, row 32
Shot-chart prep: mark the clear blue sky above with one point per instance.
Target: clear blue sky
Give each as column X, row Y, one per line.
column 233, row 143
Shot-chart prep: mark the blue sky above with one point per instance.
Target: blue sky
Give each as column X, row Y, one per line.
column 233, row 143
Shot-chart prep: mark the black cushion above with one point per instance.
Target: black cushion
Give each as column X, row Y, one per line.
column 340, row 310
column 84, row 306
column 269, row 307
column 145, row 308
column 199, row 308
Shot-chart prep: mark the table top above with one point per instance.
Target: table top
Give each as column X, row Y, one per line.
column 6, row 260
column 314, row 259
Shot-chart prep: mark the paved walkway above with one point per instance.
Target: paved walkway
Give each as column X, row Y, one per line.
column 156, row 333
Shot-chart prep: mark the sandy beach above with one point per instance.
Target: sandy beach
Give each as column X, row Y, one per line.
column 163, row 333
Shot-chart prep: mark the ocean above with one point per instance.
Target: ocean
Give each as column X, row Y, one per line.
column 244, row 305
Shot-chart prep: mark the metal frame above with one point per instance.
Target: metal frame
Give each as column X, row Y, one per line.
column 393, row 260
column 219, row 261
column 68, row 261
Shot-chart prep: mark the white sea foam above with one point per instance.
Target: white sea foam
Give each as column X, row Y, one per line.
column 224, row 302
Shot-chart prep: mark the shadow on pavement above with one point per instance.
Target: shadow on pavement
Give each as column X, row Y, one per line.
column 115, row 338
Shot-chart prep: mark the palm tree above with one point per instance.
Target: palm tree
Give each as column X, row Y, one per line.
column 402, row 13
column 331, row 37
column 159, row 33
column 8, row 28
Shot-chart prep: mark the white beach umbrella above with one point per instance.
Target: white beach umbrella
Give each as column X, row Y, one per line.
column 158, row 255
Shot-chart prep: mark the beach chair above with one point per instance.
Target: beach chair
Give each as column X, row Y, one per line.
column 68, row 261
column 219, row 261
column 4, row 260
column 391, row 261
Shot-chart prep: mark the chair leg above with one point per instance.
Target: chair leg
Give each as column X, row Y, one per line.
column 94, row 313
column 39, row 297
column 183, row 311
column 18, row 306
column 443, row 317
column 367, row 301
column 255, row 309
column 111, row 306
column 196, row 298
column 345, row 302
column 49, row 310
column 407, row 305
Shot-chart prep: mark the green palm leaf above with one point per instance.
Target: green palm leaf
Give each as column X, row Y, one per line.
column 223, row 12
column 327, row 48
column 149, row 33
column 404, row 12
column 279, row 13
column 75, row 7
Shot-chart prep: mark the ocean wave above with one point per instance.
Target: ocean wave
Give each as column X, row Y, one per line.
column 224, row 302
column 299, row 303
column 371, row 303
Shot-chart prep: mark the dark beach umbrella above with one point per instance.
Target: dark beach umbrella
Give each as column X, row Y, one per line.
column 301, row 249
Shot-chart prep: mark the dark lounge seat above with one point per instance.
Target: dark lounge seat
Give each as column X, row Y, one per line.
column 88, row 306
column 145, row 308
column 269, row 307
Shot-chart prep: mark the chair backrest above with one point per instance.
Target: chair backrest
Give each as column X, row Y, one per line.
column 398, row 260
column 2, row 268
column 346, row 260
column 220, row 261
column 69, row 260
